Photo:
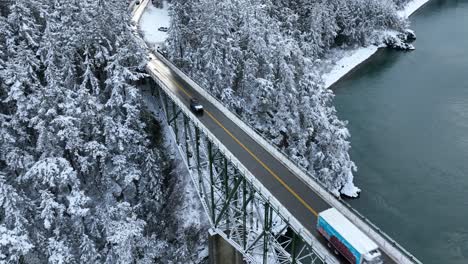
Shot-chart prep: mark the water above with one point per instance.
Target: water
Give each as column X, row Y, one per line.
column 408, row 116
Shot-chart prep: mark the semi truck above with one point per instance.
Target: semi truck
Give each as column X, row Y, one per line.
column 346, row 239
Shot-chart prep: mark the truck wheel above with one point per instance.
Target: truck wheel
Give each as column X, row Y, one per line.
column 336, row 252
column 329, row 245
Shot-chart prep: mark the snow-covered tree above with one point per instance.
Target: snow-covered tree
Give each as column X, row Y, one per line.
column 14, row 244
column 14, row 239
column 88, row 251
column 58, row 252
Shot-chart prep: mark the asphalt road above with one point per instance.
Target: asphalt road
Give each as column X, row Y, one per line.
column 299, row 199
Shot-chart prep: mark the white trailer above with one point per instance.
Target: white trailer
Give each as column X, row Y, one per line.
column 347, row 239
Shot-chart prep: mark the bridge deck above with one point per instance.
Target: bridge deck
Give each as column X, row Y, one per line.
column 294, row 194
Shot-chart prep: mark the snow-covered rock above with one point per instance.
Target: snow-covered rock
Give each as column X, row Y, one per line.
column 410, row 35
column 350, row 190
column 397, row 41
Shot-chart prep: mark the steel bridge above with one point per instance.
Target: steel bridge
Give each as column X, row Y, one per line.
column 259, row 201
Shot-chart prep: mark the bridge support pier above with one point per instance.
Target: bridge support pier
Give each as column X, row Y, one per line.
column 221, row 252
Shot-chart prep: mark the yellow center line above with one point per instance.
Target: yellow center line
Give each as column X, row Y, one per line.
column 283, row 183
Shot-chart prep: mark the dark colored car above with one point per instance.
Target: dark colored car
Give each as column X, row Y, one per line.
column 195, row 106
column 163, row 29
column 162, row 51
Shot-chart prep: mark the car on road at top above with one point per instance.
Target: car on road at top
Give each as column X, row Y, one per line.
column 163, row 29
column 195, row 106
column 161, row 50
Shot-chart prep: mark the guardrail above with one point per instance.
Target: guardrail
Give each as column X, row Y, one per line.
column 390, row 246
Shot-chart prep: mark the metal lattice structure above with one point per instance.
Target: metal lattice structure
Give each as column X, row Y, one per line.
column 238, row 211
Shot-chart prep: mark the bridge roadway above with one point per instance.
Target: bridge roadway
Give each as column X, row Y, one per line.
column 299, row 199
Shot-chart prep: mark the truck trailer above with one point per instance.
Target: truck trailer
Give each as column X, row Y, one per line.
column 347, row 239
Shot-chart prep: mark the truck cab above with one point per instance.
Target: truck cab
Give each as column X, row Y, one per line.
column 373, row 257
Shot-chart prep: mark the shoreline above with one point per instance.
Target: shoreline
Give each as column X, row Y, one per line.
column 357, row 56
column 350, row 61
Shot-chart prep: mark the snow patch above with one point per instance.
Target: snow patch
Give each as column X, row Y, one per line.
column 411, row 7
column 152, row 19
column 352, row 59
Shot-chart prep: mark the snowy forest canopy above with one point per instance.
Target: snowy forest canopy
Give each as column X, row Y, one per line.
column 85, row 176
column 262, row 59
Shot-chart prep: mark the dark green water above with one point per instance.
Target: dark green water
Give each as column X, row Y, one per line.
column 408, row 117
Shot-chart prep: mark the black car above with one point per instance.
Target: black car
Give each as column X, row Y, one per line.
column 162, row 51
column 195, row 106
column 163, row 29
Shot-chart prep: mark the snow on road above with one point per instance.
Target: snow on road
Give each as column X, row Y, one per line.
column 152, row 19
column 354, row 57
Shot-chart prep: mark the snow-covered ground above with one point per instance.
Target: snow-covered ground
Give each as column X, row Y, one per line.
column 411, row 7
column 152, row 19
column 352, row 58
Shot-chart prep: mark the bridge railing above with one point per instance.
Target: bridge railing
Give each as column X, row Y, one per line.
column 380, row 237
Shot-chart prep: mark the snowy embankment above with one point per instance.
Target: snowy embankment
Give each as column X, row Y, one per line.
column 354, row 57
column 153, row 18
column 411, row 7
column 350, row 60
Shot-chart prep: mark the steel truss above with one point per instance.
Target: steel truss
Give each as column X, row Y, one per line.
column 237, row 210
